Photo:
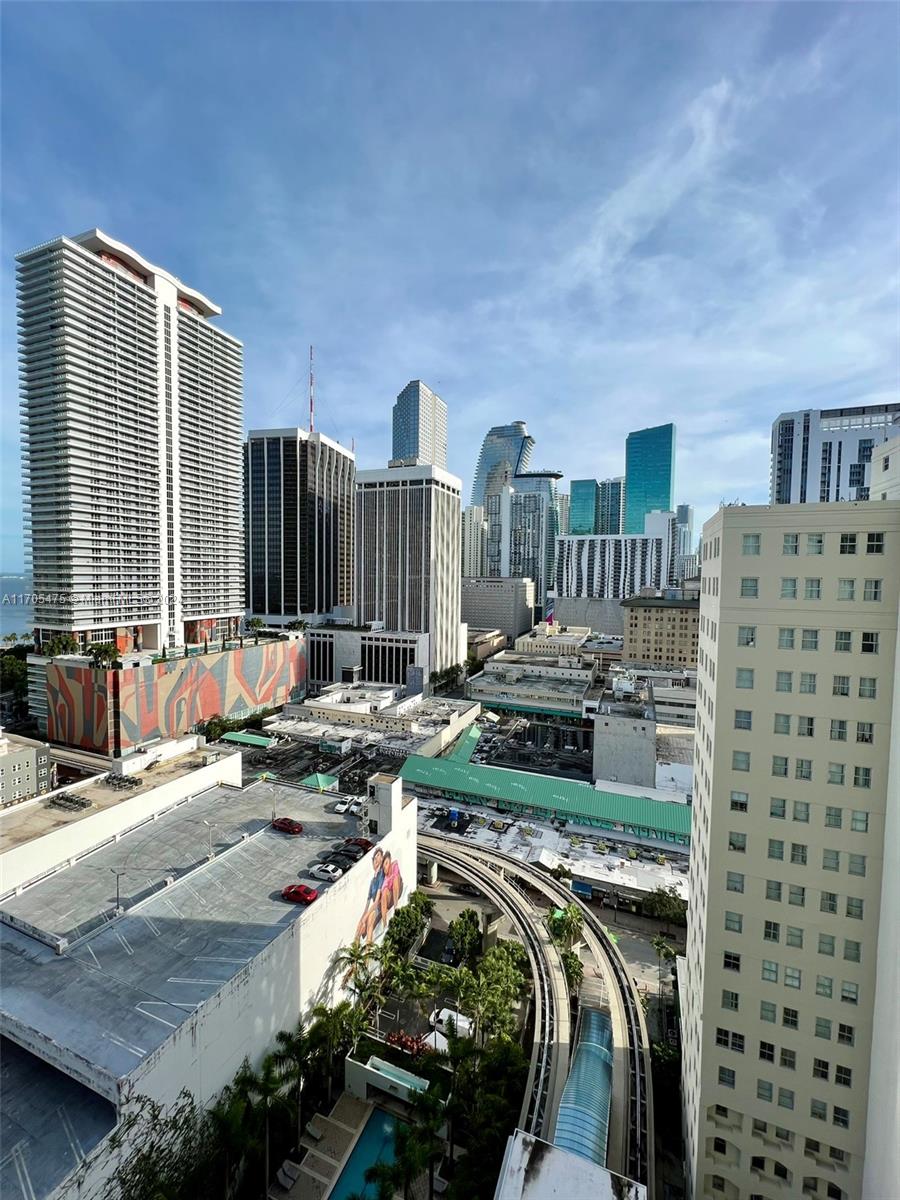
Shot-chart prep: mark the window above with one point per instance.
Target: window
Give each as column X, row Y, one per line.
column 875, row 543
column 810, row 639
column 826, row 944
column 859, row 821
column 759, row 1126
column 731, row 961
column 824, row 986
column 806, row 727
column 737, row 842
column 734, row 922
column 862, row 777
column 821, row 1068
column 730, row 1000
column 790, row 544
column 764, row 1089
column 846, row 1035
column 777, row 807
column 869, row 643
column 787, row 1059
column 841, row 1116
column 771, row 931
column 782, row 723
column 848, row 543
column 823, row 1028
column 790, row 1018
column 855, row 907
column 846, row 589
column 852, row 951
column 792, row 977
column 794, row 936
column 836, row 775
column 739, row 801
column 808, row 683
column 843, row 1076
column 784, row 681
column 717, row 1182
column 831, row 860
column 802, row 770
column 746, row 635
column 801, row 811
column 722, row 1039
column 840, row 685
column 767, row 1011
column 776, row 849
column 750, row 544
column 828, row 902
column 749, row 587
column 767, row 1052
column 812, row 589
column 797, row 895
column 740, row 760
column 788, row 588
column 865, row 732
column 815, row 543
column 734, row 881
column 868, row 688
column 838, row 730
column 856, row 864
column 843, row 641
column 872, row 589
column 726, row 1077
column 780, row 765
column 769, row 970
column 743, row 677
column 818, row 1110
column 833, row 816
column 798, row 854
column 785, row 1098
column 785, row 639
column 773, row 890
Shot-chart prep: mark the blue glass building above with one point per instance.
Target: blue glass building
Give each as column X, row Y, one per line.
column 584, row 506
column 419, row 427
column 611, row 506
column 649, row 474
column 505, row 451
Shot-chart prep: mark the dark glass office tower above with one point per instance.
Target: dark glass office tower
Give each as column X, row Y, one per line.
column 505, row 451
column 649, row 474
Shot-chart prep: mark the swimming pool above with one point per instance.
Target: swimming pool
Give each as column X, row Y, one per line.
column 374, row 1144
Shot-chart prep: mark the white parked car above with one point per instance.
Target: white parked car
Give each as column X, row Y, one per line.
column 356, row 807
column 327, row 871
column 342, row 806
column 439, row 1021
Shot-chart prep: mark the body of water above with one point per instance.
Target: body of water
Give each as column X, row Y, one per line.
column 16, row 612
column 374, row 1144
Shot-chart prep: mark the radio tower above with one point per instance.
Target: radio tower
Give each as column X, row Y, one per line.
column 312, row 392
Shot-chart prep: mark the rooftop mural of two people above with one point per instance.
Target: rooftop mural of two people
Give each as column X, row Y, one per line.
column 385, row 890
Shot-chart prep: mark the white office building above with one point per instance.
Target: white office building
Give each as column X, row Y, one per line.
column 504, row 604
column 474, row 541
column 614, row 568
column 408, row 555
column 789, row 991
column 419, row 428
column 132, row 415
column 825, row 454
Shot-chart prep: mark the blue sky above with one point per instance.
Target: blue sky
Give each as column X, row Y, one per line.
column 590, row 217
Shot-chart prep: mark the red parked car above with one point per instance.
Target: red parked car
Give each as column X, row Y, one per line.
column 363, row 843
column 299, row 893
column 286, row 825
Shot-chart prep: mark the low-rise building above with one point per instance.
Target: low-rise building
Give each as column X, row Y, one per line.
column 495, row 603
column 675, row 705
column 336, row 652
column 533, row 684
column 25, row 769
column 484, row 643
column 624, row 742
column 548, row 637
column 661, row 628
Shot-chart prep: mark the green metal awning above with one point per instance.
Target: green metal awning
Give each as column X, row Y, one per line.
column 465, row 746
column 248, row 739
column 562, row 798
column 322, row 783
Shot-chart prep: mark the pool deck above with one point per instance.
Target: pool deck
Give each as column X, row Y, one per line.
column 326, row 1156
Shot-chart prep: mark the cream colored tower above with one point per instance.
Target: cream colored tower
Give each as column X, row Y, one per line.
column 785, row 1090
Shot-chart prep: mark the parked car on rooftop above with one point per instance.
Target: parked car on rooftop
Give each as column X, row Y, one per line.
column 327, row 871
column 287, row 825
column 299, row 893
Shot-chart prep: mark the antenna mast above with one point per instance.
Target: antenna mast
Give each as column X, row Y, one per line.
column 312, row 392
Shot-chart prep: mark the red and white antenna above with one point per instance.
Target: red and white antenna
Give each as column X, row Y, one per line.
column 312, row 392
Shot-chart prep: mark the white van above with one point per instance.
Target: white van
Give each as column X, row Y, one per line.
column 462, row 1023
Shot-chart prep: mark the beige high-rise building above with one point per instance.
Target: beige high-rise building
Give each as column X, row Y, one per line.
column 790, row 989
column 661, row 630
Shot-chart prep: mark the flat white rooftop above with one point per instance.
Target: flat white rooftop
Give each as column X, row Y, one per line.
column 535, row 1170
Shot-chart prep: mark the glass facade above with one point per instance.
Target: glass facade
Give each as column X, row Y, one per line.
column 649, row 474
column 584, row 507
column 505, row 451
column 419, row 427
column 611, row 506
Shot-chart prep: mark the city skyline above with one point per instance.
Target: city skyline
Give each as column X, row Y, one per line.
column 631, row 301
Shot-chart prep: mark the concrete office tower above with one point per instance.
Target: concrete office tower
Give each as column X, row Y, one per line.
column 789, row 989
column 505, row 451
column 611, row 506
column 649, row 474
column 298, row 502
column 613, row 568
column 584, row 511
column 825, row 454
column 132, row 411
column 408, row 556
column 420, row 427
column 563, row 501
column 474, row 541
column 504, row 604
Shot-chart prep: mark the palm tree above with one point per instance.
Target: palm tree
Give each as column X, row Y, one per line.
column 292, row 1057
column 228, row 1119
column 266, row 1091
column 357, row 958
column 103, row 654
column 430, row 1115
column 480, row 999
column 333, row 1028
column 255, row 624
column 663, row 951
column 566, row 925
column 11, row 638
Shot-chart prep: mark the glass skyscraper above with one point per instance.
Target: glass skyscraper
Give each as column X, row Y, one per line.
column 649, row 474
column 611, row 506
column 584, row 506
column 505, row 452
column 419, row 427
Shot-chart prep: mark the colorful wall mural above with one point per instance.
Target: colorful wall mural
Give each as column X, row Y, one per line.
column 111, row 712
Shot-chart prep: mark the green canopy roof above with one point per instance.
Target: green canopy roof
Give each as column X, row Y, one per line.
column 322, row 783
column 564, row 798
column 462, row 751
column 248, row 739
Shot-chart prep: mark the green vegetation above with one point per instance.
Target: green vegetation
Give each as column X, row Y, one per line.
column 61, row 643
column 408, row 924
column 465, row 933
column 13, row 676
column 566, row 924
column 574, row 969
column 665, row 905
column 103, row 654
